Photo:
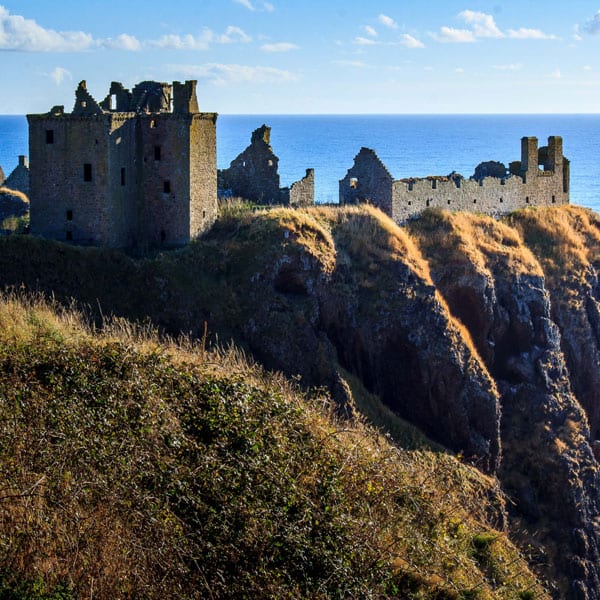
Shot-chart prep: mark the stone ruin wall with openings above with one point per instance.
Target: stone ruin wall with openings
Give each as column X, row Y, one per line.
column 525, row 184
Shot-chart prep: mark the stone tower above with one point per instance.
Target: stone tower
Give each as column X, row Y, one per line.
column 135, row 170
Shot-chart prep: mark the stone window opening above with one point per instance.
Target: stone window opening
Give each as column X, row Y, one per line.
column 553, row 199
column 526, row 199
column 113, row 102
column 434, row 184
column 428, row 202
column 410, row 203
column 270, row 163
column 69, row 215
column 353, row 183
column 448, row 201
column 474, row 200
column 152, row 124
column 204, row 214
column 122, row 176
column 163, row 236
column 166, row 187
column 156, row 153
column 49, row 136
column 501, row 200
column 87, row 172
column 69, row 236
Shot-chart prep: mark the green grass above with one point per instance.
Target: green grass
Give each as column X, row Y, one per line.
column 132, row 467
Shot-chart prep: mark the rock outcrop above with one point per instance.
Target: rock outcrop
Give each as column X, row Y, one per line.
column 485, row 335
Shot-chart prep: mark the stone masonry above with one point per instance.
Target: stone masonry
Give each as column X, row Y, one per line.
column 253, row 175
column 494, row 190
column 135, row 170
column 19, row 178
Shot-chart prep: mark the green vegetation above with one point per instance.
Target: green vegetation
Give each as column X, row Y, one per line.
column 133, row 467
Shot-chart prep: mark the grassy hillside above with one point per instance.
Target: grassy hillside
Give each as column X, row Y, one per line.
column 137, row 468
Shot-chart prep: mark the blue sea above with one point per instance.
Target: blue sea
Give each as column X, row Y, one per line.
column 409, row 145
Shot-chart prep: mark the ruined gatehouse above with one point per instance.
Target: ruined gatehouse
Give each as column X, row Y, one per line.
column 253, row 175
column 135, row 170
column 493, row 189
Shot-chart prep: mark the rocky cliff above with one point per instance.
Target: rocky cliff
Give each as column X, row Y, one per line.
column 483, row 334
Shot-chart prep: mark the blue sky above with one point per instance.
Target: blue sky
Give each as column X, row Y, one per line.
column 307, row 57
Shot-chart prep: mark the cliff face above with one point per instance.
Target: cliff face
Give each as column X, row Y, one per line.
column 485, row 335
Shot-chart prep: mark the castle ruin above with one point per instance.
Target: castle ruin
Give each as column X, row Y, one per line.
column 138, row 169
column 493, row 190
column 253, row 175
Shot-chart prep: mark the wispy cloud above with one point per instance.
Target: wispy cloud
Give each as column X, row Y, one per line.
column 261, row 7
column 371, row 30
column 279, row 47
column 363, row 41
column 449, row 35
column 592, row 26
column 60, row 74
column 203, row 40
column 556, row 74
column 387, row 21
column 509, row 67
column 123, row 42
column 408, row 41
column 224, row 74
column 529, row 34
column 357, row 64
column 483, row 26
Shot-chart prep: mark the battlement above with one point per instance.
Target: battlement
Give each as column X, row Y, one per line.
column 493, row 189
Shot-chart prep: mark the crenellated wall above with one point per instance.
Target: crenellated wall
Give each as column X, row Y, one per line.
column 525, row 185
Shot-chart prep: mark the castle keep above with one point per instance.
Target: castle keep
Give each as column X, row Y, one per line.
column 493, row 189
column 137, row 169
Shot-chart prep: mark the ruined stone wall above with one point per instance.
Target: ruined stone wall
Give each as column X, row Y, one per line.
column 491, row 196
column 19, row 178
column 64, row 206
column 301, row 193
column 2, row 176
column 527, row 185
column 367, row 181
column 203, row 173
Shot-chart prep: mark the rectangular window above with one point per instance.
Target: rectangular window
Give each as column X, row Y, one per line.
column 87, row 172
column 166, row 187
column 49, row 136
column 69, row 215
column 156, row 152
column 122, row 175
column 69, row 236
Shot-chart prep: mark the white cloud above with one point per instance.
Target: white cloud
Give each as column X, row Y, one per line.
column 592, row 26
column 449, row 35
column 408, row 41
column 223, row 74
column 556, row 74
column 529, row 34
column 233, row 34
column 25, row 35
column 123, row 42
column 203, row 40
column 483, row 25
column 587, row 68
column 279, row 47
column 510, row 67
column 459, row 70
column 357, row 64
column 59, row 74
column 363, row 41
column 387, row 21
column 265, row 6
column 371, row 31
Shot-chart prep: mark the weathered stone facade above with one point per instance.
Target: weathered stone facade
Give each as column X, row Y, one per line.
column 2, row 176
column 493, row 190
column 253, row 175
column 127, row 172
column 19, row 178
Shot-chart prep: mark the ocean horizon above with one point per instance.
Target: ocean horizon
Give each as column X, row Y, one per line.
column 409, row 145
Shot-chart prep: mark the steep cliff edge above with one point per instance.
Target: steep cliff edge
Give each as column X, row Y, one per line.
column 468, row 328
